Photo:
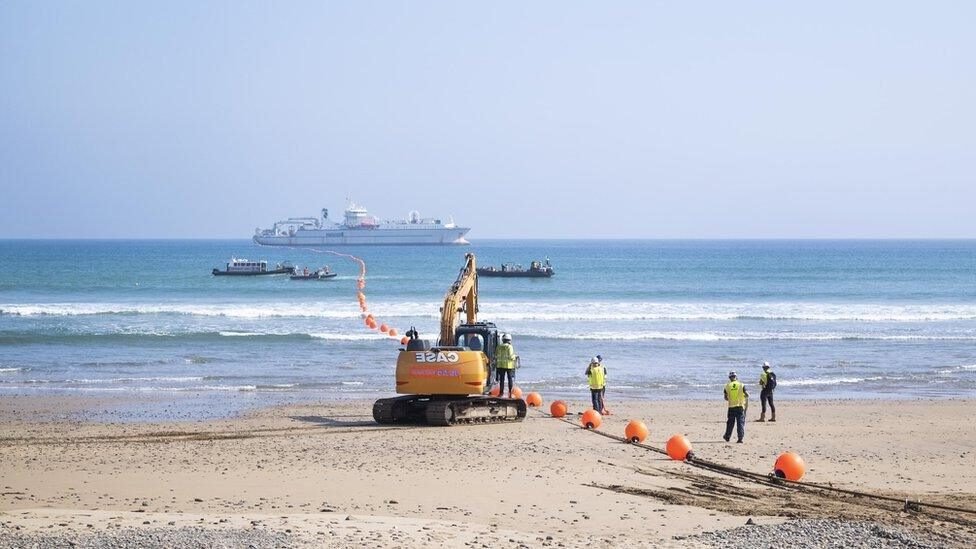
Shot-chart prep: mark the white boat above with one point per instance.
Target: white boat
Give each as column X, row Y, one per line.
column 361, row 229
column 244, row 267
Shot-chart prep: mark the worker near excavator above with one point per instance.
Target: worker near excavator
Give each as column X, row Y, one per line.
column 596, row 373
column 737, row 397
column 505, row 361
column 767, row 381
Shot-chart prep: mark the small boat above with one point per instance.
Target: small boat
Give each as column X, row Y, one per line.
column 319, row 274
column 245, row 267
column 537, row 269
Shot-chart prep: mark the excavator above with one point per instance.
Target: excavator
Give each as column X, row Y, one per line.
column 449, row 383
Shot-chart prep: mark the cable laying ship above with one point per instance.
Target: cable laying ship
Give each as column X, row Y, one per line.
column 361, row 229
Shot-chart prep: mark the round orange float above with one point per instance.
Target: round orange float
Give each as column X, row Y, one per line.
column 558, row 409
column 636, row 431
column 404, row 340
column 384, row 328
column 789, row 466
column 591, row 419
column 516, row 393
column 533, row 399
column 678, row 447
column 393, row 332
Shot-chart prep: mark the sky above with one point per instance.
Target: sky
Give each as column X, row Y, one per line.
column 519, row 119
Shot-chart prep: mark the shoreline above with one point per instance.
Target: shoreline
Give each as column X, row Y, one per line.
column 139, row 407
column 301, row 469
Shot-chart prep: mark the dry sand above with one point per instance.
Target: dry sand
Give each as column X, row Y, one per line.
column 326, row 475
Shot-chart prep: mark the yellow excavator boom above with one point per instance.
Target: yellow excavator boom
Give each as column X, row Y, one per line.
column 463, row 296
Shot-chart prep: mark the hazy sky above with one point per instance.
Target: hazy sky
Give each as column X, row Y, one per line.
column 520, row 119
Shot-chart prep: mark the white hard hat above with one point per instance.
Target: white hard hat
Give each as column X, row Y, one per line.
column 506, row 337
column 765, row 365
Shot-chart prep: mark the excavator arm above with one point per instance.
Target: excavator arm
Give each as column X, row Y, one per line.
column 462, row 297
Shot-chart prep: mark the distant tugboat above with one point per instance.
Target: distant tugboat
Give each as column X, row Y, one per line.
column 322, row 273
column 244, row 267
column 536, row 269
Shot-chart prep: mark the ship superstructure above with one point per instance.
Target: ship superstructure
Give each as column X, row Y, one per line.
column 358, row 228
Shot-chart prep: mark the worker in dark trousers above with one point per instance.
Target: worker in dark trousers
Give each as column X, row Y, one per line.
column 596, row 374
column 505, row 359
column 767, row 381
column 736, row 395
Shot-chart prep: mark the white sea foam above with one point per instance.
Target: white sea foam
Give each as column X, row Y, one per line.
column 957, row 369
column 527, row 310
column 827, row 381
column 9, row 370
column 118, row 380
column 367, row 336
column 639, row 335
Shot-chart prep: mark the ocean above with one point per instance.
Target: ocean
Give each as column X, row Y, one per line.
column 144, row 323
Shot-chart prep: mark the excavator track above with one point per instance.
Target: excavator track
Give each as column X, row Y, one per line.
column 445, row 411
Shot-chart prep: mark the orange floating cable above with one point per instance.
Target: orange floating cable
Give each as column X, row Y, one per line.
column 369, row 321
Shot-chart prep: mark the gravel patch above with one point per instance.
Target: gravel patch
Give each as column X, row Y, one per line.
column 813, row 533
column 189, row 537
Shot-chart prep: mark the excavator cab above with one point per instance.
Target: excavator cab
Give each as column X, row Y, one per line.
column 482, row 336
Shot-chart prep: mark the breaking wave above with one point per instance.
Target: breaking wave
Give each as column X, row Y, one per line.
column 526, row 310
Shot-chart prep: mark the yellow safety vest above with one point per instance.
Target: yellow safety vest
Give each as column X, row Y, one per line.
column 598, row 376
column 763, row 378
column 505, row 357
column 736, row 393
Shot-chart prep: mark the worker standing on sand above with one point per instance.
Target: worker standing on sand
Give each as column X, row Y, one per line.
column 736, row 395
column 596, row 373
column 505, row 358
column 767, row 380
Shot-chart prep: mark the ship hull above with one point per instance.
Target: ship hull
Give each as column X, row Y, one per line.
column 368, row 237
column 218, row 272
column 515, row 274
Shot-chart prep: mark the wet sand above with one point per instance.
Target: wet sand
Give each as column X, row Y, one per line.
column 325, row 474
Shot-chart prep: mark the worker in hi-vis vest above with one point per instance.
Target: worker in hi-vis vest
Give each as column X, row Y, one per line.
column 596, row 373
column 736, row 395
column 505, row 359
column 767, row 381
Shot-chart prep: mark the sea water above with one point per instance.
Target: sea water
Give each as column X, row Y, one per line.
column 146, row 322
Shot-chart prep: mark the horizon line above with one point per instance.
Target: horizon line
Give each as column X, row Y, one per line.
column 592, row 239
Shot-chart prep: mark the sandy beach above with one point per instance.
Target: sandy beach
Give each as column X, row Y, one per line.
column 325, row 474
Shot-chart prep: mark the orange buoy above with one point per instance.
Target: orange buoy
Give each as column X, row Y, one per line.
column 533, row 399
column 404, row 340
column 372, row 324
column 393, row 332
column 516, row 393
column 558, row 409
column 591, row 419
column 789, row 466
column 368, row 320
column 636, row 431
column 494, row 391
column 678, row 447
column 384, row 328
